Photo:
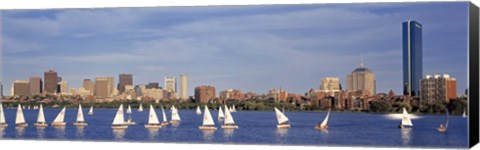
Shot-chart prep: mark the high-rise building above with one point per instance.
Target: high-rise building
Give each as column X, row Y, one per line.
column 204, row 94
column 183, row 87
column 330, row 85
column 153, row 85
column 103, row 87
column 111, row 87
column 412, row 57
column 51, row 81
column 21, row 88
column 36, row 85
column 88, row 85
column 170, row 84
column 438, row 88
column 361, row 79
column 123, row 80
column 62, row 87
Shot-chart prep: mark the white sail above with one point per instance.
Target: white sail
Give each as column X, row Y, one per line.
column 233, row 108
column 464, row 115
column 198, row 110
column 207, row 117
column 228, row 117
column 2, row 115
column 447, row 118
column 152, row 118
column 91, row 110
column 175, row 115
column 61, row 116
column 41, row 115
column 140, row 108
column 80, row 114
column 406, row 118
column 164, row 115
column 325, row 121
column 119, row 120
column 220, row 113
column 281, row 118
column 129, row 110
column 19, row 118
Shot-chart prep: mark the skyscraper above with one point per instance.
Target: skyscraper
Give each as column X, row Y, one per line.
column 63, row 87
column 21, row 88
column 36, row 85
column 361, row 79
column 183, row 87
column 438, row 88
column 330, row 85
column 123, row 80
column 89, row 85
column 51, row 81
column 412, row 57
column 101, row 87
column 170, row 84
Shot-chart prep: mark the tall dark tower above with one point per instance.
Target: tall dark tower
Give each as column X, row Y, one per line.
column 412, row 57
column 123, row 80
column 51, row 81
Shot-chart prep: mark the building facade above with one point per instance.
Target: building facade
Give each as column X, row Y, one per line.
column 412, row 57
column 232, row 94
column 361, row 79
column 204, row 94
column 36, row 85
column 153, row 85
column 103, row 87
column 62, row 87
column 123, row 80
column 88, row 85
column 183, row 87
column 51, row 81
column 330, row 85
column 438, row 88
column 21, row 88
column 170, row 84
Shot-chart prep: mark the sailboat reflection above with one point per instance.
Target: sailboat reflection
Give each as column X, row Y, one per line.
column 41, row 133
column 80, row 132
column 406, row 135
column 152, row 133
column 228, row 133
column 1, row 132
column 60, row 132
column 208, row 134
column 281, row 134
column 20, row 131
column 119, row 134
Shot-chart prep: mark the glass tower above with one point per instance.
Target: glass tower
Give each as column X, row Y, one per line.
column 412, row 57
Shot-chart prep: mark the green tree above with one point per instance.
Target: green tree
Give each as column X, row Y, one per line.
column 380, row 107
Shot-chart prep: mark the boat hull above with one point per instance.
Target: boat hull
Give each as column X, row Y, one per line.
column 153, row 126
column 403, row 126
column 40, row 125
column 119, row 126
column 80, row 124
column 207, row 128
column 319, row 127
column 441, row 129
column 130, row 122
column 282, row 126
column 3, row 125
column 90, row 113
column 164, row 123
column 229, row 127
column 59, row 124
column 21, row 125
column 174, row 121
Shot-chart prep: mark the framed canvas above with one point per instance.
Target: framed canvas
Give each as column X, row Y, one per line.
column 389, row 74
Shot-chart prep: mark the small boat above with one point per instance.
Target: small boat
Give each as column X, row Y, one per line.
column 406, row 121
column 20, row 119
column 90, row 112
column 29, row 107
column 234, row 109
column 153, row 122
column 41, row 123
column 3, row 123
column 229, row 123
column 140, row 108
column 464, row 115
column 118, row 121
column 80, row 120
column 220, row 113
column 175, row 116
column 282, row 119
column 208, row 123
column 165, row 121
column 283, row 109
column 323, row 125
column 59, row 120
column 199, row 112
column 129, row 112
column 443, row 128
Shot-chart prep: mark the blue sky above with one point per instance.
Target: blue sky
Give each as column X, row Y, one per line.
column 251, row 48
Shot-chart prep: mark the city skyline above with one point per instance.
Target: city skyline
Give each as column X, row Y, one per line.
column 251, row 48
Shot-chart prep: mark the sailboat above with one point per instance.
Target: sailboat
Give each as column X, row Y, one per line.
column 164, row 122
column 20, row 119
column 443, row 128
column 3, row 123
column 175, row 116
column 90, row 112
column 129, row 112
column 464, row 115
column 233, row 108
column 323, row 125
column 405, row 119
column 220, row 113
column 153, row 122
column 80, row 120
column 41, row 119
column 282, row 119
column 199, row 112
column 229, row 123
column 140, row 108
column 59, row 120
column 118, row 121
column 208, row 123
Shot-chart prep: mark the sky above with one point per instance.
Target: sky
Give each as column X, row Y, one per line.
column 253, row 48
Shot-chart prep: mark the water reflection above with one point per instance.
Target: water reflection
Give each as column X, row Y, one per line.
column 281, row 135
column 80, row 132
column 406, row 135
column 228, row 132
column 152, row 133
column 20, row 132
column 208, row 134
column 60, row 132
column 1, row 132
column 41, row 133
column 119, row 134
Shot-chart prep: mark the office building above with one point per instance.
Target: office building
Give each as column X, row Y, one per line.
column 36, row 85
column 21, row 88
column 204, row 94
column 412, row 57
column 438, row 88
column 88, row 85
column 361, row 79
column 123, row 80
column 183, row 87
column 51, row 81
column 170, row 84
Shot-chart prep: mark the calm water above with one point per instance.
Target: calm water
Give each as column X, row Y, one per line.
column 347, row 129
